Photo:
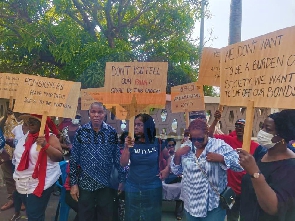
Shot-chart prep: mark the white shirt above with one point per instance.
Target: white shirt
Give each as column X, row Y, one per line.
column 24, row 182
column 18, row 132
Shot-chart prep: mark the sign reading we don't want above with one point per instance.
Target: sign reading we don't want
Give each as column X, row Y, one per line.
column 38, row 95
column 146, row 81
column 261, row 69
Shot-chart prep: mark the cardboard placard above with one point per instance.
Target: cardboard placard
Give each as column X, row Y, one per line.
column 9, row 84
column 146, row 80
column 209, row 73
column 187, row 97
column 90, row 95
column 261, row 69
column 40, row 94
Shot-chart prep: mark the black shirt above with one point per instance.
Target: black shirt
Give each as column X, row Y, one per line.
column 280, row 175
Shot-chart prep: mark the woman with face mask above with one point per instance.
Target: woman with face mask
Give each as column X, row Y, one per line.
column 268, row 192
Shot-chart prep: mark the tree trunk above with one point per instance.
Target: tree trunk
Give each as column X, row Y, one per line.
column 235, row 22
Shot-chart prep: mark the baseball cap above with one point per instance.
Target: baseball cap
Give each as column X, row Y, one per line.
column 240, row 121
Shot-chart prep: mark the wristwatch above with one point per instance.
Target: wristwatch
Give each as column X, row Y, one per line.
column 256, row 175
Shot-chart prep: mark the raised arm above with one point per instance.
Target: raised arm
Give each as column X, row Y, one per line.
column 217, row 116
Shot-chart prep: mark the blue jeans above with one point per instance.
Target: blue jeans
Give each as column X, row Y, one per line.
column 36, row 206
column 143, row 202
column 217, row 214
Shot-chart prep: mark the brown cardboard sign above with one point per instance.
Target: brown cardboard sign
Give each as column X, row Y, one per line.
column 40, row 95
column 261, row 69
column 187, row 97
column 9, row 85
column 146, row 80
column 209, row 73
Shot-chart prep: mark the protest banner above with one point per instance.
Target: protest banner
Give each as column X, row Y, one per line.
column 146, row 80
column 40, row 94
column 209, row 73
column 260, row 69
column 186, row 98
column 9, row 84
column 90, row 95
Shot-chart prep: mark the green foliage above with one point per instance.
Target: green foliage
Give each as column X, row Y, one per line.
column 73, row 39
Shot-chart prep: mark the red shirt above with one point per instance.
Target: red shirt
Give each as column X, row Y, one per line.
column 235, row 178
column 67, row 185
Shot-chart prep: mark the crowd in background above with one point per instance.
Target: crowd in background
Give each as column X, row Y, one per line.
column 122, row 179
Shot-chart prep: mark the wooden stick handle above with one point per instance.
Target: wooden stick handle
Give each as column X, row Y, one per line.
column 42, row 128
column 220, row 107
column 10, row 102
column 186, row 119
column 248, row 126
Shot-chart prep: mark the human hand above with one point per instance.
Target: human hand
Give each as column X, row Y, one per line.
column 247, row 161
column 217, row 115
column 183, row 150
column 75, row 192
column 164, row 173
column 129, row 142
column 214, row 157
column 41, row 141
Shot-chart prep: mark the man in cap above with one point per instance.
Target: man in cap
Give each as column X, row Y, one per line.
column 234, row 178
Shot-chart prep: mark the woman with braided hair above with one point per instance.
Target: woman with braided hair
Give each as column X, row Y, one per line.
column 268, row 192
column 37, row 171
column 203, row 163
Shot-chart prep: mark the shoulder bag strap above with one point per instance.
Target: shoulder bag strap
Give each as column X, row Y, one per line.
column 205, row 174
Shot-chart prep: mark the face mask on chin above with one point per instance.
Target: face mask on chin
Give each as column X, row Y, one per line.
column 75, row 121
column 264, row 139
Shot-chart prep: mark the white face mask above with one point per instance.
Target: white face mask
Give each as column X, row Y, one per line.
column 75, row 121
column 264, row 139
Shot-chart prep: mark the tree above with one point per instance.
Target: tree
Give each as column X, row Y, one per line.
column 235, row 22
column 73, row 39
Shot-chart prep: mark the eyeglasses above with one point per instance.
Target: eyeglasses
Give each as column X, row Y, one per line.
column 239, row 125
column 138, row 125
column 199, row 140
column 170, row 145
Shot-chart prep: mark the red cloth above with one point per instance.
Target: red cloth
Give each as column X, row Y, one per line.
column 67, row 185
column 233, row 134
column 41, row 164
column 235, row 178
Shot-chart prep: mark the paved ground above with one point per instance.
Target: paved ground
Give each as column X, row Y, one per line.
column 167, row 214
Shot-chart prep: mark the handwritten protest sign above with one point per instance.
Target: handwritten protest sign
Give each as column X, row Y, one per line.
column 209, row 73
column 9, row 84
column 90, row 95
column 261, row 69
column 146, row 80
column 47, row 95
column 187, row 97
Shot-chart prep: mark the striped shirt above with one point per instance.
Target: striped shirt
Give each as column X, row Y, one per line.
column 95, row 153
column 198, row 195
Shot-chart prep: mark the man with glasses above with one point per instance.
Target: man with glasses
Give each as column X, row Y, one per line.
column 234, row 178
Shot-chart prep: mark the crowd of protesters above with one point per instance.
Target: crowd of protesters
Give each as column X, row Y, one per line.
column 207, row 164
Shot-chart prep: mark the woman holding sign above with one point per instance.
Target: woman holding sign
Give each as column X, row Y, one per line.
column 37, row 171
column 268, row 192
column 143, row 190
column 203, row 163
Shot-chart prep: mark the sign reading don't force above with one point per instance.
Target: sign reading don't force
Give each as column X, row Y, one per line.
column 261, row 69
column 146, row 80
column 40, row 94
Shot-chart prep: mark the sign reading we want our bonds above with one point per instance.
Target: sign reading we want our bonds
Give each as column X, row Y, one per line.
column 40, row 95
column 261, row 69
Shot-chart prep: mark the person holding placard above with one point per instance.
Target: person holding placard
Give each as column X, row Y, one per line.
column 203, row 163
column 95, row 150
column 37, row 171
column 268, row 192
column 234, row 178
column 143, row 189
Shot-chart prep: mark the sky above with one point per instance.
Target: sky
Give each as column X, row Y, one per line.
column 259, row 17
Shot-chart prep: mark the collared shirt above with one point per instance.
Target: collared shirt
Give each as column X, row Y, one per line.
column 95, row 153
column 198, row 195
column 2, row 141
